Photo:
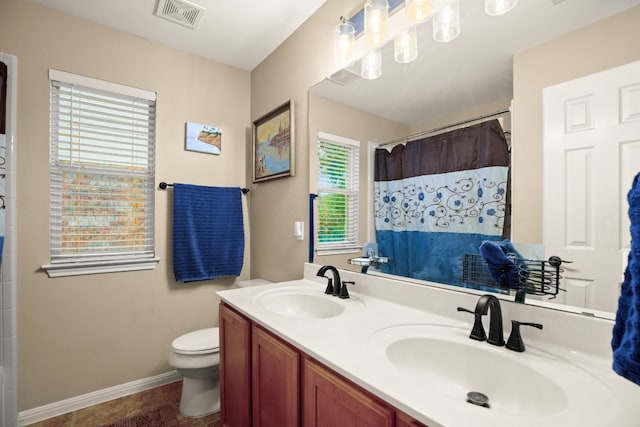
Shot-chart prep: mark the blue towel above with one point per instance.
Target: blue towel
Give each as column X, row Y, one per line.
column 208, row 232
column 502, row 260
column 626, row 331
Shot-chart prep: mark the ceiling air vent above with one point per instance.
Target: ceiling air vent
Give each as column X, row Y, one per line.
column 181, row 12
column 344, row 76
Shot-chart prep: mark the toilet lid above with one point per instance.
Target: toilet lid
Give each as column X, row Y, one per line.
column 197, row 342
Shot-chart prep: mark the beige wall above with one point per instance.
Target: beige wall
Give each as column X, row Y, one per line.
column 82, row 334
column 603, row 45
column 301, row 61
column 484, row 110
column 338, row 119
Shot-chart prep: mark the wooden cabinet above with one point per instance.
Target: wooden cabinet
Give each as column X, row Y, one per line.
column 328, row 400
column 235, row 368
column 403, row 420
column 266, row 382
column 276, row 381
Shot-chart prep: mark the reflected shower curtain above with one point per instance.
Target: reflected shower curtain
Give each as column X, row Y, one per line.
column 438, row 198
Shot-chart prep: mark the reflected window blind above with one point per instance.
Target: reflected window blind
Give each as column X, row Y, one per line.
column 102, row 152
column 338, row 181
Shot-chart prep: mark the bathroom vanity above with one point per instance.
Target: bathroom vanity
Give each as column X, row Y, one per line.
column 275, row 384
column 399, row 354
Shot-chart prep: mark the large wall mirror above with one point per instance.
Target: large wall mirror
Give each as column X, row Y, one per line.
column 450, row 85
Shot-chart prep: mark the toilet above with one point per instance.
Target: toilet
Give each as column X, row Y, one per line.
column 196, row 356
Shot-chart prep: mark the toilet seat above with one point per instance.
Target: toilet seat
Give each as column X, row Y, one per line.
column 202, row 341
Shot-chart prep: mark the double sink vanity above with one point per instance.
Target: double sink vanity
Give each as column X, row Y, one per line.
column 400, row 354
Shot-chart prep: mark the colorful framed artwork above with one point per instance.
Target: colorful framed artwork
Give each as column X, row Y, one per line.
column 273, row 144
column 203, row 138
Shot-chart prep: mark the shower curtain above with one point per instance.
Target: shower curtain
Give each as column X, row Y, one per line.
column 3, row 148
column 8, row 268
column 438, row 198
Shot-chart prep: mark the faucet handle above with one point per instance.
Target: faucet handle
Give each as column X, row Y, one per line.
column 515, row 342
column 329, row 289
column 344, row 293
column 477, row 332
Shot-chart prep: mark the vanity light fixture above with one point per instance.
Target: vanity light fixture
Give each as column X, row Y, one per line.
column 405, row 46
column 371, row 64
column 446, row 21
column 498, row 7
column 418, row 10
column 376, row 16
column 372, row 21
column 344, row 35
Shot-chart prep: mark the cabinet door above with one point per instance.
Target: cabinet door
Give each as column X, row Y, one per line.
column 235, row 368
column 276, row 381
column 403, row 420
column 329, row 401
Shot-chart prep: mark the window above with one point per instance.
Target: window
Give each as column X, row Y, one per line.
column 101, row 177
column 338, row 172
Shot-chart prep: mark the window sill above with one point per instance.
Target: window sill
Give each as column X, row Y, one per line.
column 97, row 267
column 338, row 251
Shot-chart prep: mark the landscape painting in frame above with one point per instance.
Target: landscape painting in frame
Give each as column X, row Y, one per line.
column 203, row 138
column 273, row 138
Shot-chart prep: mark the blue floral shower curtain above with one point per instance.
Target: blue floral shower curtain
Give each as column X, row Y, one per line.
column 438, row 198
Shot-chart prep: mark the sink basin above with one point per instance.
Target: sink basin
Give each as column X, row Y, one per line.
column 302, row 303
column 456, row 369
column 444, row 363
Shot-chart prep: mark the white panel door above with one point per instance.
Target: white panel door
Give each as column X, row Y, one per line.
column 591, row 155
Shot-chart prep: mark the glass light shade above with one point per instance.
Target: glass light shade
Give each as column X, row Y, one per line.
column 499, row 7
column 405, row 46
column 376, row 15
column 446, row 22
column 344, row 35
column 371, row 64
column 418, row 10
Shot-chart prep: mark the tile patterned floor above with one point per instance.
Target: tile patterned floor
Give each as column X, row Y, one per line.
column 128, row 406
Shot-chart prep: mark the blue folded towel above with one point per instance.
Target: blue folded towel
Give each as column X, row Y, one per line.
column 208, row 232
column 502, row 261
column 626, row 331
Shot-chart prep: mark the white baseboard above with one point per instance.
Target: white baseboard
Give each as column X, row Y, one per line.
column 35, row 415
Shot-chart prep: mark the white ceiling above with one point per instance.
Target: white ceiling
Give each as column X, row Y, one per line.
column 241, row 33
column 471, row 71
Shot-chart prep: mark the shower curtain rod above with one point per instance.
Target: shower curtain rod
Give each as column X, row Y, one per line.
column 434, row 130
column 163, row 186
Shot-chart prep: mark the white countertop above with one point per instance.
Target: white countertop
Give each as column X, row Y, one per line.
column 344, row 343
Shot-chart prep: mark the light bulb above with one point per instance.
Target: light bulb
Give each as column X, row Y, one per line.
column 376, row 15
column 418, row 10
column 446, row 22
column 405, row 46
column 343, row 44
column 371, row 65
column 499, row 7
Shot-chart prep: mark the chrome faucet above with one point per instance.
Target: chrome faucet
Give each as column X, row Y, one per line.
column 334, row 287
column 491, row 304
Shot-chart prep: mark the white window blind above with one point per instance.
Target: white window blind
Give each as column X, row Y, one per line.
column 338, row 185
column 102, row 157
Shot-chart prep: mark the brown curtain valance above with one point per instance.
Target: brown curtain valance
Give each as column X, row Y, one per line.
column 473, row 147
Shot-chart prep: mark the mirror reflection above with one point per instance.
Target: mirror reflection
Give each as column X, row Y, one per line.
column 445, row 89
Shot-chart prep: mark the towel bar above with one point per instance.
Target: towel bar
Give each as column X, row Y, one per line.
column 163, row 186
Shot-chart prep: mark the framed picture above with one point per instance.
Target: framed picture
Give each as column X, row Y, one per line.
column 203, row 138
column 273, row 144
